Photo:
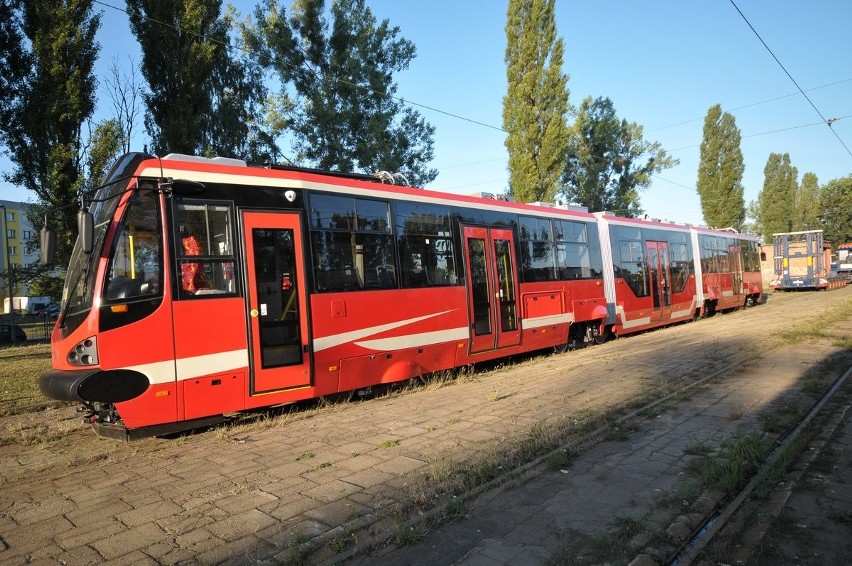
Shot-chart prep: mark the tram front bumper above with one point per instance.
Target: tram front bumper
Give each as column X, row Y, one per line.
column 92, row 385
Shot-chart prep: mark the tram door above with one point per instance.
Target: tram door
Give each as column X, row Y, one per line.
column 277, row 301
column 660, row 277
column 492, row 288
column 735, row 257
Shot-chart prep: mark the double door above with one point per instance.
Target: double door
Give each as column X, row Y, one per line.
column 492, row 288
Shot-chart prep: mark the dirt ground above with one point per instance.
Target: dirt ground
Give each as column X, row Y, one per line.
column 315, row 482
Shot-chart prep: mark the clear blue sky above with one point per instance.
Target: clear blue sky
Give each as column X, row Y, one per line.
column 662, row 62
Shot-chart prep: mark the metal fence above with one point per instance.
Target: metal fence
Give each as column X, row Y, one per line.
column 36, row 326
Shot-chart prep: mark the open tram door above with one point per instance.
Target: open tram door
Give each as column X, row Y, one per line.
column 277, row 301
column 660, row 276
column 492, row 288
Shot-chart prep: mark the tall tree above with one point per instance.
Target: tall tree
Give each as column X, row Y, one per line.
column 720, row 171
column 808, row 203
column 345, row 115
column 777, row 200
column 536, row 102
column 203, row 94
column 836, row 204
column 47, row 93
column 608, row 161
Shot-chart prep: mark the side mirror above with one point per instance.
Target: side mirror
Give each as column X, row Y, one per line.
column 48, row 246
column 187, row 188
column 86, row 230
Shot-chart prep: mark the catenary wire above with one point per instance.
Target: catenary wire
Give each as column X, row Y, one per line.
column 783, row 68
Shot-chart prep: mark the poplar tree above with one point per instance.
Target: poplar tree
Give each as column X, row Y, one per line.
column 835, row 206
column 536, row 102
column 777, row 200
column 203, row 95
column 720, row 171
column 345, row 114
column 808, row 203
column 609, row 161
column 47, row 93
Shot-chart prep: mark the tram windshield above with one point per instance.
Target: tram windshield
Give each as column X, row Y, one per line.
column 78, row 292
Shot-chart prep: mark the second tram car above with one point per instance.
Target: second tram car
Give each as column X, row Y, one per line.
column 202, row 287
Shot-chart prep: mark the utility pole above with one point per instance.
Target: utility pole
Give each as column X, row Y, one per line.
column 9, row 274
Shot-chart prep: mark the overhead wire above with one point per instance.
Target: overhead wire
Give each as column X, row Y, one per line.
column 786, row 72
column 752, row 104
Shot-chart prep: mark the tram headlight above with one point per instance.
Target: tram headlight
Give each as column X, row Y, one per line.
column 85, row 353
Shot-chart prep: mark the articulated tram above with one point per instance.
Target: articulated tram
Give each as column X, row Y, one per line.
column 203, row 287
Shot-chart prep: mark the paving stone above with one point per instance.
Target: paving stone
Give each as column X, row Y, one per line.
column 241, row 525
column 128, row 540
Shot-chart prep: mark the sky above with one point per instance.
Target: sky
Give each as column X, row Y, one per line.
column 663, row 63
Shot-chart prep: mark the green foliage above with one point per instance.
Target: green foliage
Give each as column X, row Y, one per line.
column 47, row 93
column 536, row 101
column 808, row 206
column 106, row 143
column 836, row 210
column 346, row 116
column 203, row 95
column 720, row 171
column 777, row 200
column 46, row 285
column 608, row 161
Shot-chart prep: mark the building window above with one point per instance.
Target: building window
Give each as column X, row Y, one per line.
column 13, row 250
column 10, row 216
column 27, row 235
column 10, row 233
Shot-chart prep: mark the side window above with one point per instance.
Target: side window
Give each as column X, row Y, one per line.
column 681, row 266
column 537, row 253
column 136, row 258
column 351, row 244
column 577, row 250
column 205, row 250
column 426, row 245
column 631, row 267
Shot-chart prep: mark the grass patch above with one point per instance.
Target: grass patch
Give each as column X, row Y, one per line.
column 730, row 468
column 816, row 328
column 389, row 443
column 22, row 365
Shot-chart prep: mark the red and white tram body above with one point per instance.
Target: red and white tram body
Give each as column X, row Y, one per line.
column 213, row 287
column 270, row 286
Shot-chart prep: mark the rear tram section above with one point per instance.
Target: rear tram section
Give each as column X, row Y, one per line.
column 208, row 287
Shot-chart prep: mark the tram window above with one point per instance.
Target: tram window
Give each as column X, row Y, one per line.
column 426, row 245
column 205, row 254
column 577, row 251
column 331, row 212
column 537, row 254
column 136, row 259
column 681, row 266
column 351, row 261
column 351, row 244
column 631, row 267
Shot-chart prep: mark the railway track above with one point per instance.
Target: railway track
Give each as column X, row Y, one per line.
column 793, row 441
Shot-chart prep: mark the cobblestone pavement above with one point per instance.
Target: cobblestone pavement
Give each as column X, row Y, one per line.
column 325, row 478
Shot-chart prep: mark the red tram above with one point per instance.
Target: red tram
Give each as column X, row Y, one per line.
column 202, row 287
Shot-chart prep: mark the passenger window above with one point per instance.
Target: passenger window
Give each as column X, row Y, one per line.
column 351, row 243
column 205, row 251
column 631, row 268
column 537, row 253
column 426, row 245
